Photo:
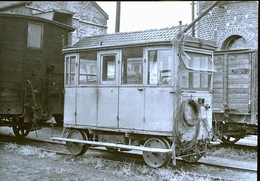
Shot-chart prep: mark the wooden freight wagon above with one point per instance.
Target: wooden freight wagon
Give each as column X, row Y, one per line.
column 235, row 96
column 31, row 70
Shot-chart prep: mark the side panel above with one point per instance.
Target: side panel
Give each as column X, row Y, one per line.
column 86, row 106
column 12, row 41
column 108, row 107
column 131, row 107
column 70, row 106
column 159, row 109
column 234, row 83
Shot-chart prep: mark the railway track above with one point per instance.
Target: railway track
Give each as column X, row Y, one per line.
column 136, row 157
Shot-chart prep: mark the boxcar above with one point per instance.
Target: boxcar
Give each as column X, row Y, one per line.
column 148, row 90
column 235, row 97
column 31, row 69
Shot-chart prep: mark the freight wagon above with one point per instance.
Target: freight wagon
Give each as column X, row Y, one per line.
column 235, row 96
column 31, row 70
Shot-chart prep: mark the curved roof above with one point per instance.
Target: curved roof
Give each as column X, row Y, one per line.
column 37, row 18
column 128, row 38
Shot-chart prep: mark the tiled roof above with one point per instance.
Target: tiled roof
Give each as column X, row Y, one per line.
column 128, row 38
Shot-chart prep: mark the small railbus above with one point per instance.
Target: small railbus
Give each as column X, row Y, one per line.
column 147, row 90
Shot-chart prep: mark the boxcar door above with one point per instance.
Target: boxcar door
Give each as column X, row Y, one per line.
column 232, row 81
column 107, row 95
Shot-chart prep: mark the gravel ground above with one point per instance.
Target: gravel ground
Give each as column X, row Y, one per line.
column 16, row 166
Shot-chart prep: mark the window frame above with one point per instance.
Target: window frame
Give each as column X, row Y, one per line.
column 30, row 35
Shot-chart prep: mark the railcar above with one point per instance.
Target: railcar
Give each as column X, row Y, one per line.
column 147, row 90
column 31, row 71
column 235, row 96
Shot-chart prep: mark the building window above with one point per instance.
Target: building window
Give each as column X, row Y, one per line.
column 235, row 43
column 35, row 35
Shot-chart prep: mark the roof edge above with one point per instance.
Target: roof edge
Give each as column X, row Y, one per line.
column 100, row 9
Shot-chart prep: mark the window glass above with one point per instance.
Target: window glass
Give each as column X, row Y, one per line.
column 35, row 35
column 165, row 67
column 88, row 68
column 196, row 61
column 108, row 68
column 132, row 66
column 70, row 70
column 159, row 67
column 197, row 72
column 152, row 67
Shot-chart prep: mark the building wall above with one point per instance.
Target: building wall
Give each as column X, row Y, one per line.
column 88, row 18
column 227, row 19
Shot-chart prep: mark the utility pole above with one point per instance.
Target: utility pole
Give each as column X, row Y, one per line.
column 192, row 17
column 118, row 8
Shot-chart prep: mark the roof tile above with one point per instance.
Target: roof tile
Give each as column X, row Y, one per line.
column 128, row 38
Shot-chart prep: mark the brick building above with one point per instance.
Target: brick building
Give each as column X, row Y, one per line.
column 233, row 24
column 87, row 17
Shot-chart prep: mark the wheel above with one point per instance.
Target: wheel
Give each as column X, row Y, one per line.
column 192, row 158
column 156, row 159
column 77, row 148
column 21, row 131
column 230, row 139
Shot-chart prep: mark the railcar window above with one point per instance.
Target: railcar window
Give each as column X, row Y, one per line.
column 159, row 67
column 88, row 68
column 35, row 35
column 197, row 74
column 108, row 68
column 132, row 66
column 70, row 70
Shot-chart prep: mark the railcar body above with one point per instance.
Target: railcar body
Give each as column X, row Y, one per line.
column 31, row 69
column 235, row 97
column 147, row 90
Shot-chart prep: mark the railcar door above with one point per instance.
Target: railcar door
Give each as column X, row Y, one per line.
column 159, row 98
column 70, row 89
column 107, row 100
column 131, row 89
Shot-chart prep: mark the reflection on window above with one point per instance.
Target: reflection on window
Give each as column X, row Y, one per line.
column 197, row 72
column 88, row 68
column 132, row 66
column 159, row 67
column 35, row 35
column 70, row 70
column 108, row 68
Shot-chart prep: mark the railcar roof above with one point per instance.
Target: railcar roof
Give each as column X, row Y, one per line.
column 128, row 38
column 36, row 18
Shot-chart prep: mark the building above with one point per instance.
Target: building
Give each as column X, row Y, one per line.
column 87, row 17
column 233, row 24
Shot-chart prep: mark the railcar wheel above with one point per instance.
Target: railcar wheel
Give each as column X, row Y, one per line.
column 77, row 148
column 20, row 131
column 230, row 139
column 154, row 159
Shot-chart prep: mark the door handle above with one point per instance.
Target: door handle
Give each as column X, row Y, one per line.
column 140, row 89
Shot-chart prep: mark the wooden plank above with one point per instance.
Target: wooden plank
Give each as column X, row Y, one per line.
column 238, row 86
column 217, row 86
column 218, row 91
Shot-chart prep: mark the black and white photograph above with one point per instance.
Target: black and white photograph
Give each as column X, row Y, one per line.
column 129, row 90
